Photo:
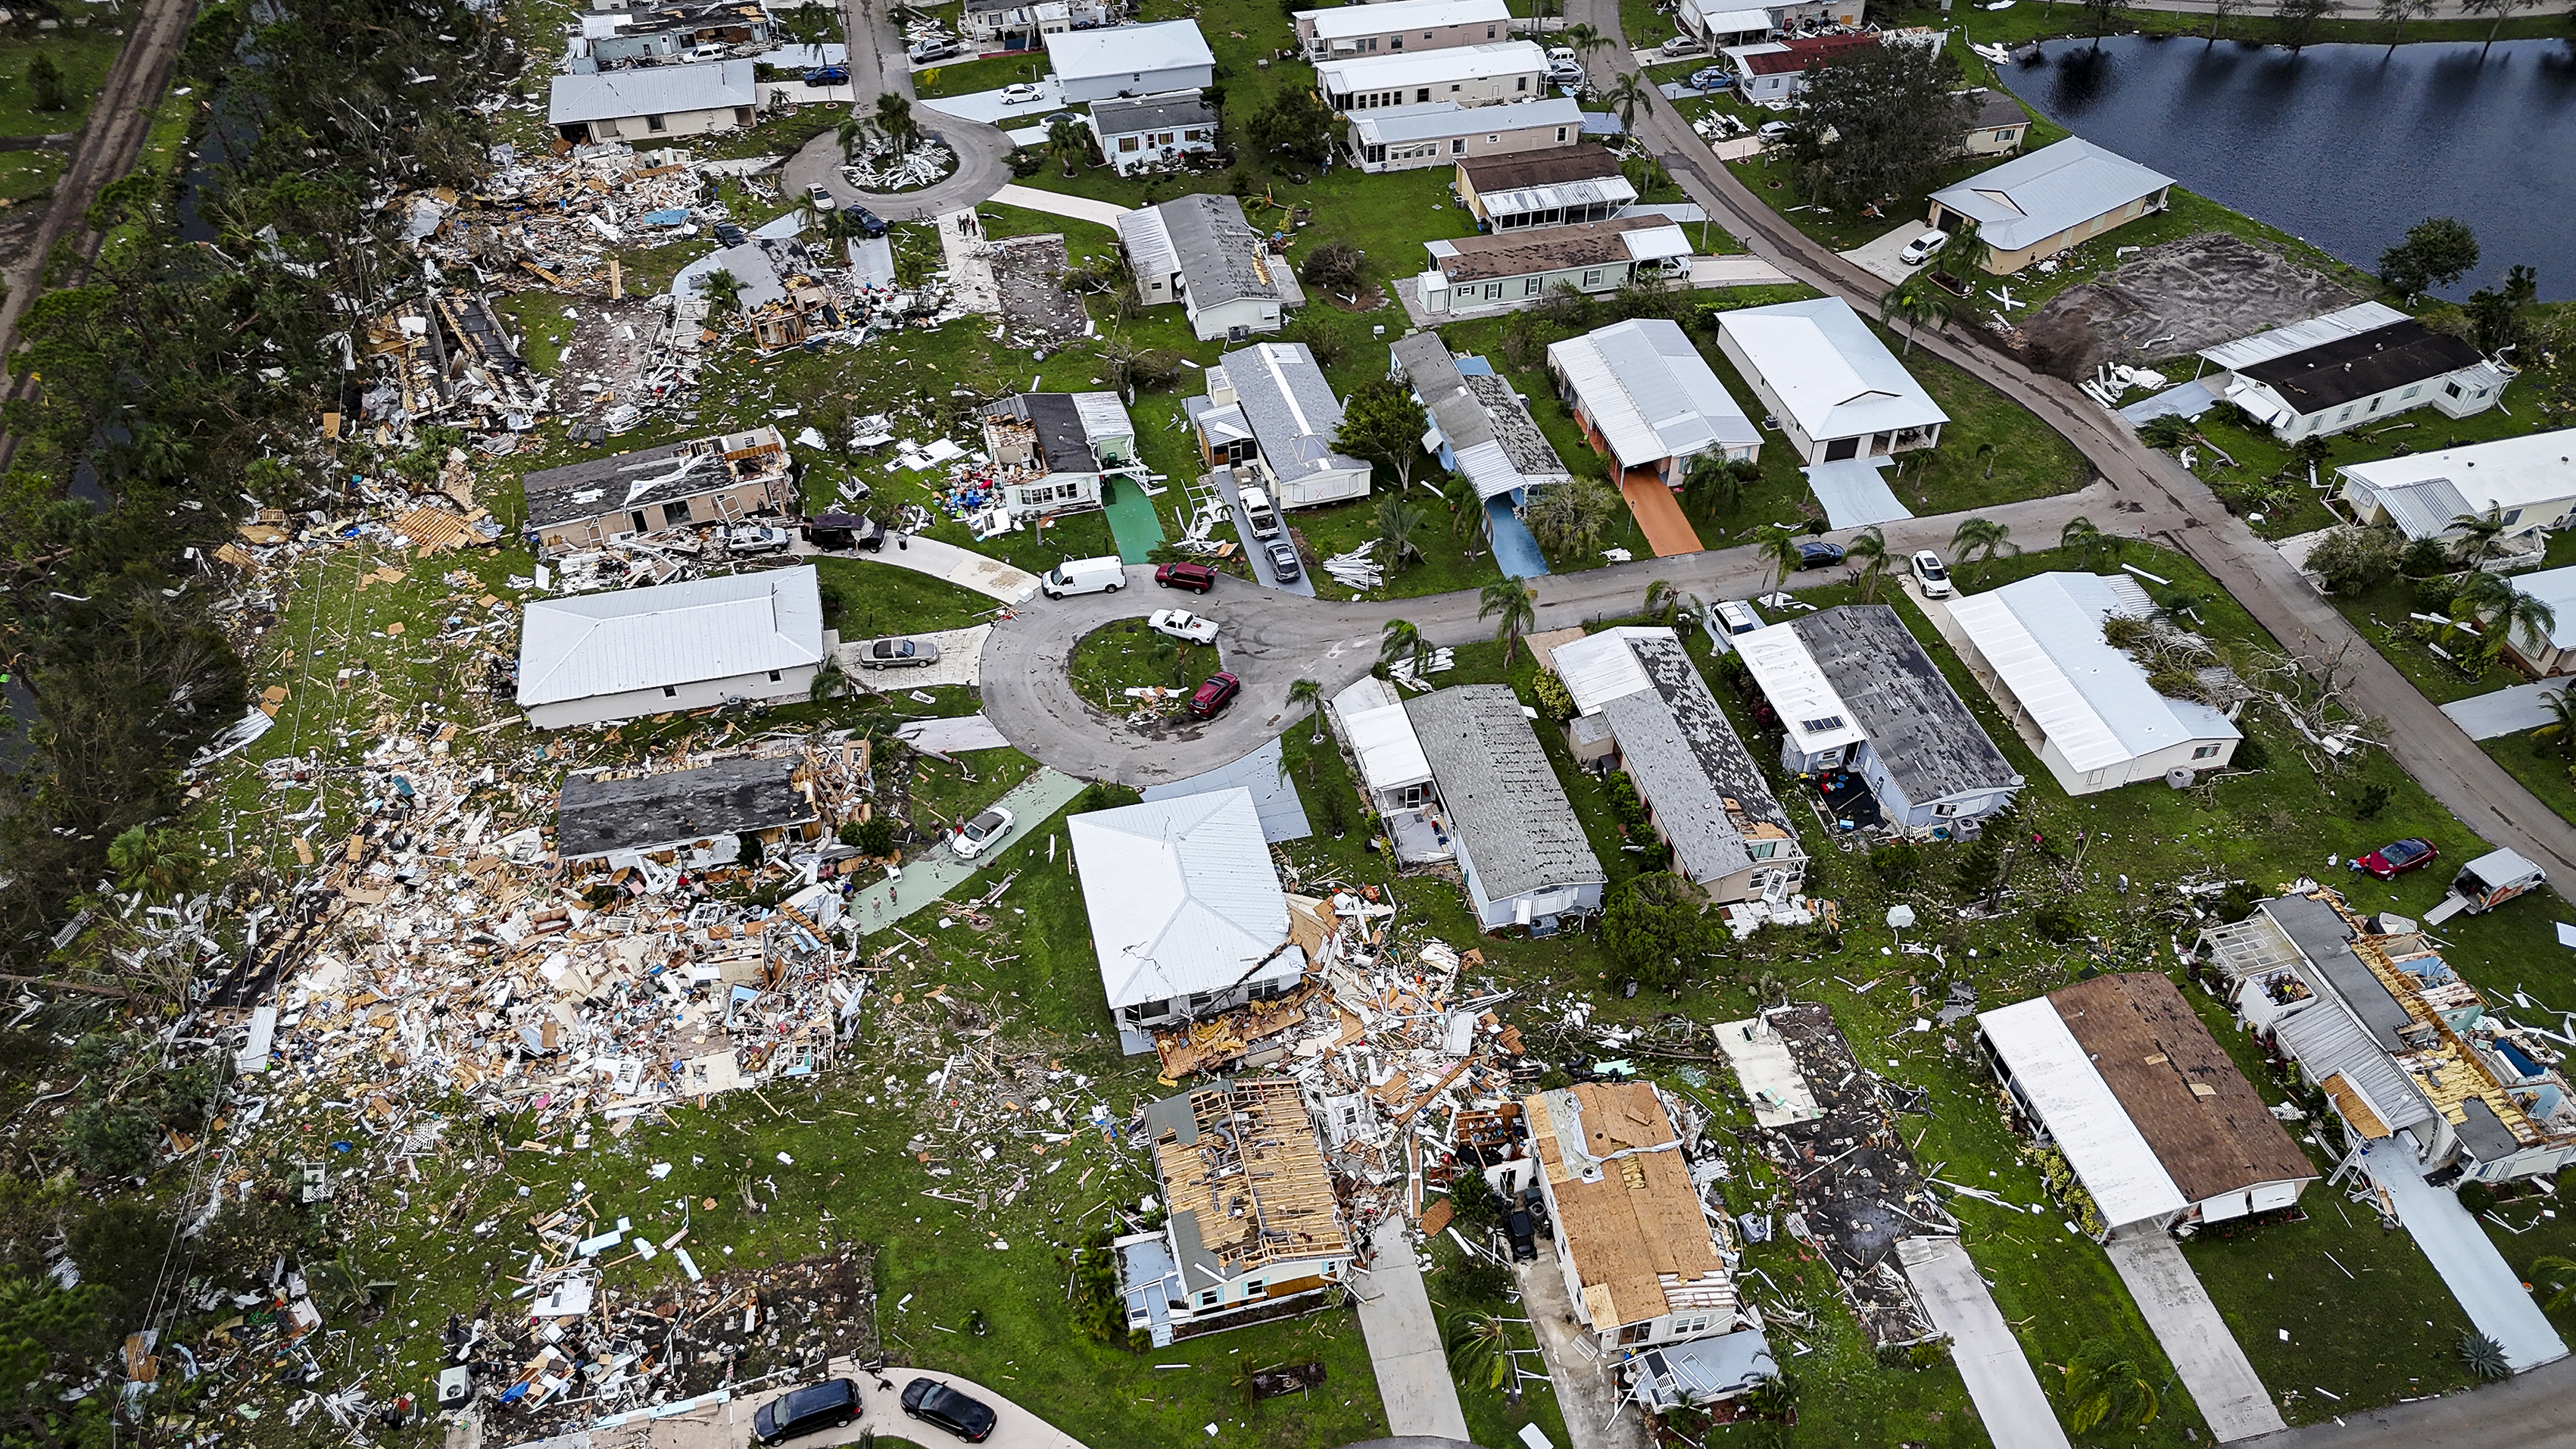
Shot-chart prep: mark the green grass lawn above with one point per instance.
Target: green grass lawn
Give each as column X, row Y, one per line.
column 1116, row 657
column 881, row 598
column 82, row 50
column 2541, row 766
column 964, row 76
column 944, row 794
column 1450, row 552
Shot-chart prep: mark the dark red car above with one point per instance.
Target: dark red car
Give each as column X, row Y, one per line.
column 1213, row 696
column 1196, row 577
column 2397, row 857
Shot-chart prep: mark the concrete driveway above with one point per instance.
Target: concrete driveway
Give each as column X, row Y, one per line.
column 1261, row 570
column 1587, row 1392
column 1878, row 255
column 1404, row 1341
column 1991, row 1362
column 961, row 658
column 2205, row 1354
column 989, row 107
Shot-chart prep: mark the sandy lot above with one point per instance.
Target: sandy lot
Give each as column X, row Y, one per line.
column 2173, row 300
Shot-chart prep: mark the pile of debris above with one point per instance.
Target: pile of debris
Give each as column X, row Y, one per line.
column 909, row 171
column 1409, row 1069
column 1855, row 1183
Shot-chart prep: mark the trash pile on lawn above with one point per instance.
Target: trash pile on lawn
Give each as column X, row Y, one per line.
column 914, row 169
column 1403, row 1061
column 553, row 221
column 477, row 967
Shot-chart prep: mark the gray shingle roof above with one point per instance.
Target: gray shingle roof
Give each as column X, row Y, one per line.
column 729, row 797
column 2324, row 939
column 1291, row 408
column 1916, row 723
column 1688, row 759
column 1503, row 799
column 1173, row 112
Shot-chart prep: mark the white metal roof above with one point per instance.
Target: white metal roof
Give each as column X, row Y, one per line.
column 1103, row 416
column 1557, row 195
column 651, row 90
column 1181, row 894
column 1649, row 392
column 2104, row 1147
column 1128, row 49
column 2244, row 352
column 2509, row 473
column 2037, row 195
column 1809, row 708
column 1396, row 70
column 1439, row 120
column 1148, row 242
column 1656, row 243
column 2043, row 636
column 1390, row 754
column 616, row 643
column 1717, row 21
column 1599, row 668
column 1343, row 21
column 1830, row 372
column 2557, row 589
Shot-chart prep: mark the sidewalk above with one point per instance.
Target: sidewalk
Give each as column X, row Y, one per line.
column 1404, row 1341
column 2490, row 1292
column 925, row 882
column 1991, row 1363
column 2205, row 1354
column 1056, row 203
column 963, row 567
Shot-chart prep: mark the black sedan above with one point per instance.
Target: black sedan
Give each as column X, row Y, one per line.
column 933, row 1402
column 1815, row 553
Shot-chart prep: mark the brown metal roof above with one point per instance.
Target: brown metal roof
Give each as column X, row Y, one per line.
column 1543, row 249
column 1548, row 168
column 2205, row 1122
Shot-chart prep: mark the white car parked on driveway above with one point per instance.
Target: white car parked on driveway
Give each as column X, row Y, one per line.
column 1931, row 576
column 1021, row 94
column 1182, row 624
column 983, row 830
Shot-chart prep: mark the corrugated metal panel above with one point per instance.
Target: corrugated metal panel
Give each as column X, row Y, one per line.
column 1599, row 668
column 1103, row 416
column 2326, row 1041
column 1558, row 196
column 2043, row 635
column 2536, row 471
column 1390, row 755
column 1181, row 893
column 2090, row 1126
column 1489, row 468
column 1814, row 715
column 651, row 90
column 1386, row 19
column 1649, row 392
column 617, row 643
column 2035, row 196
column 1148, row 243
column 1127, row 49
column 2300, row 336
column 1829, row 371
column 1454, row 64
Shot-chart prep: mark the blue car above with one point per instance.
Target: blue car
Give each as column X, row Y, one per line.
column 828, row 75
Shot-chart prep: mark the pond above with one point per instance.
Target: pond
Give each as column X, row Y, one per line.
column 2344, row 146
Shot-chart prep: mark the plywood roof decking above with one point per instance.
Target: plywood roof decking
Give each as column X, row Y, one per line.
column 1241, row 1159
column 2354, row 1107
column 1640, row 1243
column 2206, row 1123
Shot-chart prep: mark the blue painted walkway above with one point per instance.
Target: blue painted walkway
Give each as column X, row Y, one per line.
column 1515, row 552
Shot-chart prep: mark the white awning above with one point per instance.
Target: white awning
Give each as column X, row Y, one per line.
column 1390, row 755
column 2081, row 1113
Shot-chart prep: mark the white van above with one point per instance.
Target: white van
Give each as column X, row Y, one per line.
column 1265, row 519
column 1084, row 576
column 1920, row 250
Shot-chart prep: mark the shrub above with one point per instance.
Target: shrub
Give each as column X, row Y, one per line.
column 111, row 1139
column 1554, row 699
column 2251, row 752
column 2238, row 901
column 2355, row 560
column 873, row 836
column 1099, row 1309
column 1473, row 1201
column 1477, row 1280
column 121, row 1244
column 2370, row 799
column 2477, row 1197
column 1898, row 865
column 1974, row 868
column 1624, row 803
column 1105, row 796
column 2056, row 922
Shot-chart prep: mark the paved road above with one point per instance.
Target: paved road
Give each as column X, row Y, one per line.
column 2524, row 1412
column 877, row 65
column 2160, row 498
column 1272, row 638
column 728, row 1426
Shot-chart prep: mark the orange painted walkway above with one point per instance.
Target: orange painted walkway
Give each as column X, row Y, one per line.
column 1659, row 514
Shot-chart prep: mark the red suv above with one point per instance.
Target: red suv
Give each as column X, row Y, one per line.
column 1214, row 696
column 1197, row 577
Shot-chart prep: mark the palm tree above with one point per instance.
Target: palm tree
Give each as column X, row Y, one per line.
column 1717, row 482
column 1582, row 39
column 1311, row 694
column 1459, row 492
column 2502, row 611
column 1513, row 606
column 1985, row 538
column 1480, row 1347
column 2478, row 533
column 1915, row 305
column 1401, row 641
column 2560, row 730
column 2082, row 538
column 894, row 121
column 1870, row 545
column 152, row 862
column 1965, row 249
column 1397, row 522
column 1629, row 97
column 722, row 288
column 1569, row 519
column 2397, row 13
column 1067, row 142
column 2500, row 9
column 850, row 133
column 2102, row 1385
column 1780, row 550
column 829, row 683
